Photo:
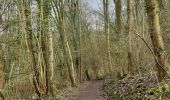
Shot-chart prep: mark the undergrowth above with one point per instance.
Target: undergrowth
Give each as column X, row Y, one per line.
column 137, row 87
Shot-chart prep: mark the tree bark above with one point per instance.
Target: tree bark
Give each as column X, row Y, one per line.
column 128, row 26
column 48, row 48
column 75, row 25
column 1, row 64
column 107, row 30
column 156, row 37
column 118, row 7
column 24, row 8
column 66, row 48
column 1, row 79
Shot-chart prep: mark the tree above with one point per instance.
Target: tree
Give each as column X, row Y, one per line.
column 25, row 17
column 1, row 62
column 76, row 34
column 1, row 79
column 48, row 49
column 156, row 37
column 42, row 66
column 128, row 29
column 118, row 7
column 59, row 13
column 107, row 30
column 118, row 29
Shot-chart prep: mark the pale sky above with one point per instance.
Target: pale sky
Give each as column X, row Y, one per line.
column 94, row 4
column 97, row 6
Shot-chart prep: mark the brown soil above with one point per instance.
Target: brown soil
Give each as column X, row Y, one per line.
column 88, row 91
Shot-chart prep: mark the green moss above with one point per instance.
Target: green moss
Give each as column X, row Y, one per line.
column 165, row 88
column 154, row 91
column 146, row 98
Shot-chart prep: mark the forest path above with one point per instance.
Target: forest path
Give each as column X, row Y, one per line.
column 88, row 91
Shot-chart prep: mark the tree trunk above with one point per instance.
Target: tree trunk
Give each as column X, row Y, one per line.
column 128, row 26
column 75, row 24
column 66, row 48
column 1, row 63
column 24, row 8
column 107, row 30
column 1, row 79
column 67, row 54
column 156, row 37
column 48, row 47
column 118, row 7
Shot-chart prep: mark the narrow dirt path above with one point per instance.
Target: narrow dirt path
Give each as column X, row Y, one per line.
column 89, row 91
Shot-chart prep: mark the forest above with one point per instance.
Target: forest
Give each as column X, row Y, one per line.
column 84, row 50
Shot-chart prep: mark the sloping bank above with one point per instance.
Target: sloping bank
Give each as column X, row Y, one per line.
column 144, row 87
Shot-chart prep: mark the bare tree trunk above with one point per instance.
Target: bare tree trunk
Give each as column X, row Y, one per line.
column 66, row 48
column 128, row 26
column 68, row 55
column 80, row 56
column 50, row 71
column 48, row 48
column 23, row 22
column 1, row 63
column 118, row 7
column 156, row 37
column 1, row 79
column 1, row 20
column 107, row 30
column 40, row 71
column 75, row 27
column 27, row 32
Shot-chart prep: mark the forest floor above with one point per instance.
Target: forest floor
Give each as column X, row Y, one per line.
column 91, row 90
column 137, row 87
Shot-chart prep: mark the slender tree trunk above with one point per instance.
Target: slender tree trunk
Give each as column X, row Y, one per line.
column 21, row 7
column 1, row 79
column 34, row 48
column 107, row 30
column 48, row 48
column 80, row 56
column 1, row 20
column 45, row 47
column 156, row 37
column 27, row 32
column 25, row 10
column 50, row 71
column 66, row 48
column 118, row 7
column 1, row 63
column 128, row 26
column 67, row 54
column 74, row 29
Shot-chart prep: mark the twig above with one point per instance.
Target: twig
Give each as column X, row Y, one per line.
column 151, row 52
column 8, row 5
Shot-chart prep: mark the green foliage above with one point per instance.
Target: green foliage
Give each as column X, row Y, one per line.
column 165, row 88
column 154, row 91
column 146, row 98
column 136, row 88
column 126, row 98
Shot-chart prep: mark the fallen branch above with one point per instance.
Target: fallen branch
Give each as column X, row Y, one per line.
column 151, row 52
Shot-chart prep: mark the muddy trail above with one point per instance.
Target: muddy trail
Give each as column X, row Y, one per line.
column 89, row 91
